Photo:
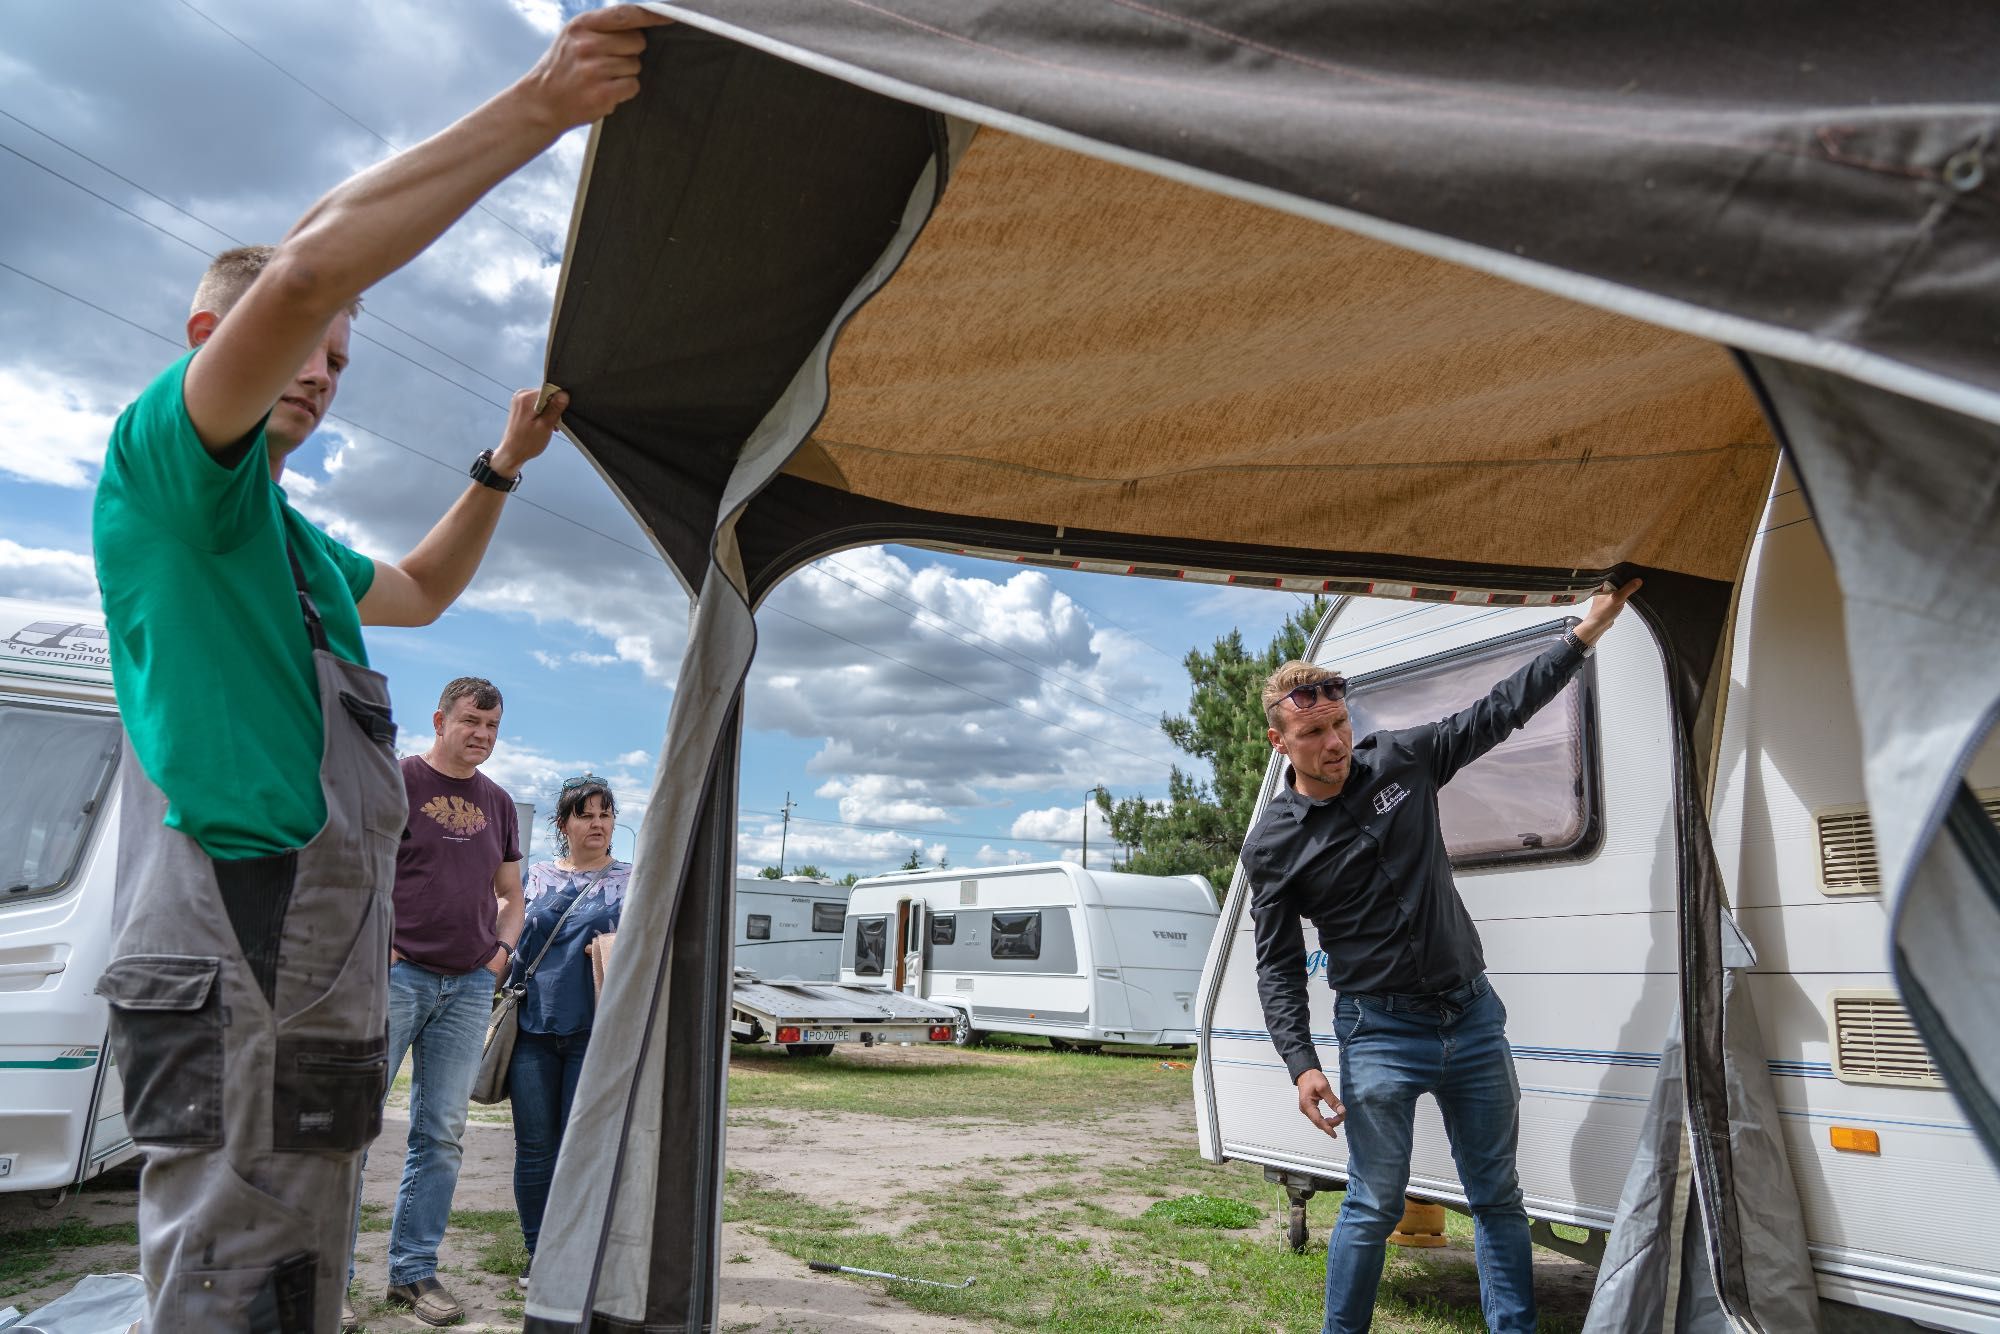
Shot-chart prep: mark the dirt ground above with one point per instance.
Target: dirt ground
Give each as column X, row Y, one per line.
column 862, row 1162
column 762, row 1291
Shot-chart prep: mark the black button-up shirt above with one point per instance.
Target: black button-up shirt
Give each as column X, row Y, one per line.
column 1369, row 867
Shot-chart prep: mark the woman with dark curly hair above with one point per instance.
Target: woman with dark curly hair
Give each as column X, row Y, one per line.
column 571, row 901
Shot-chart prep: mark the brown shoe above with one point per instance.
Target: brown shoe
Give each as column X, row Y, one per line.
column 428, row 1298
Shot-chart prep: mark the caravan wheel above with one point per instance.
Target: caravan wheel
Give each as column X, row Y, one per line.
column 963, row 1034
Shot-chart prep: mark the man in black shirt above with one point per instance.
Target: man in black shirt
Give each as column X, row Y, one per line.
column 1352, row 841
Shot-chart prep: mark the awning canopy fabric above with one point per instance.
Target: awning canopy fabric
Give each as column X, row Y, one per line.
column 1488, row 304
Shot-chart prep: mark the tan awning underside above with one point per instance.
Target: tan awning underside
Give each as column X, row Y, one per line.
column 1078, row 343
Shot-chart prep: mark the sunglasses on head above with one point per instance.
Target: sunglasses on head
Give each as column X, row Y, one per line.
column 1333, row 690
column 583, row 780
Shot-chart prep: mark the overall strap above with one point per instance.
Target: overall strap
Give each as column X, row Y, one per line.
column 307, row 608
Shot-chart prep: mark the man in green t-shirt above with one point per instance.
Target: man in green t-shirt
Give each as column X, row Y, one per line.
column 260, row 801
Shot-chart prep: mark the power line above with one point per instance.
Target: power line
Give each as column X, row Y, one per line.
column 905, row 829
column 866, row 648
column 204, row 253
column 372, row 132
column 1096, row 698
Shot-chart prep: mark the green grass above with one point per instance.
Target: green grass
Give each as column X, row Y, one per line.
column 31, row 1257
column 1003, row 1082
column 1205, row 1211
column 502, row 1251
column 375, row 1218
column 1062, row 1260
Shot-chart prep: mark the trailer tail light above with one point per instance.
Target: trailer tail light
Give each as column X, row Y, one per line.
column 940, row 1032
column 1853, row 1139
column 788, row 1034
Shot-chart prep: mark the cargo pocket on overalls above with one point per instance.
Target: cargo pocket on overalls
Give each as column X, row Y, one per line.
column 327, row 1093
column 274, row 1300
column 166, row 1037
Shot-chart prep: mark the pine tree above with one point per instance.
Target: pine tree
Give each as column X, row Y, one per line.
column 1200, row 826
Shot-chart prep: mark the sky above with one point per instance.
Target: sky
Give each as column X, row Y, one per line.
column 900, row 698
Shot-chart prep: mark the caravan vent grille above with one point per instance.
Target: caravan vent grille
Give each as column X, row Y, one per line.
column 1874, row 1042
column 968, row 893
column 1847, row 852
column 1847, row 862
column 964, row 984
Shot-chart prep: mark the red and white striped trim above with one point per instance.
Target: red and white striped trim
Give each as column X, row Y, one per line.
column 1284, row 583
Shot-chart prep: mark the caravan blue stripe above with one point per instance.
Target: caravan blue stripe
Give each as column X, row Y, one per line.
column 1643, row 1060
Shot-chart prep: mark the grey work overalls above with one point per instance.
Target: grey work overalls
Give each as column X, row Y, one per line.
column 249, row 1020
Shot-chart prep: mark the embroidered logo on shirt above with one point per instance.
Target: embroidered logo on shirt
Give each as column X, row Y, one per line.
column 1389, row 798
column 456, row 814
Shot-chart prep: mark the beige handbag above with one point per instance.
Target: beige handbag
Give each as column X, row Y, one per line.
column 599, row 951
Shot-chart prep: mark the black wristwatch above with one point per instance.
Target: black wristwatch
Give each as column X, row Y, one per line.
column 483, row 473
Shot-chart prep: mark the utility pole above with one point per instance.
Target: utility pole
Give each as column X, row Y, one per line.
column 1089, row 795
column 784, row 831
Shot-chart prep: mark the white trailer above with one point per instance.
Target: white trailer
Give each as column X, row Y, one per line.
column 1563, row 841
column 62, row 1116
column 790, row 929
column 1079, row 957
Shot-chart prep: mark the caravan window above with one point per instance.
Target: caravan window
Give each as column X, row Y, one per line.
column 759, row 927
column 828, row 918
column 55, row 766
column 1017, row 935
column 1532, row 797
column 871, row 945
column 944, row 929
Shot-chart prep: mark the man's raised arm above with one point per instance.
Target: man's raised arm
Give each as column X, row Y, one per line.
column 1471, row 732
column 382, row 218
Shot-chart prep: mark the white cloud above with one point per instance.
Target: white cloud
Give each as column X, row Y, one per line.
column 1063, row 825
column 47, row 574
column 544, row 16
column 995, row 686
column 868, row 851
column 882, row 799
column 56, row 431
column 988, row 855
column 532, row 774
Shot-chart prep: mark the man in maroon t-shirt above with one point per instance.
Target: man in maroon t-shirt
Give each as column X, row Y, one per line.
column 458, row 916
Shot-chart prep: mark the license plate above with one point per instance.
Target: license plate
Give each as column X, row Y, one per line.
column 829, row 1035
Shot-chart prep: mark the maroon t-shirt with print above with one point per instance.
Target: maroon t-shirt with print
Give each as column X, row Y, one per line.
column 461, row 830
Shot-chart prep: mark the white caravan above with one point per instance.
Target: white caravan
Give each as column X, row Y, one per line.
column 1563, row 841
column 62, row 1114
column 790, row 929
column 1079, row 957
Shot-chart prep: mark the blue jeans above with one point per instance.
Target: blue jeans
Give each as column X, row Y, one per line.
column 541, row 1084
column 443, row 1019
column 1453, row 1047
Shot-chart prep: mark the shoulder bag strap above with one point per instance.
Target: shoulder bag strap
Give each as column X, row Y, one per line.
column 543, row 952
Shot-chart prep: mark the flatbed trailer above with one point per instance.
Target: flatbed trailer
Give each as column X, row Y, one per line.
column 812, row 1018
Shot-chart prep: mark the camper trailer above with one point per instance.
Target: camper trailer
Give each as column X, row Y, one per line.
column 790, row 929
column 1563, row 843
column 61, row 1106
column 1079, row 957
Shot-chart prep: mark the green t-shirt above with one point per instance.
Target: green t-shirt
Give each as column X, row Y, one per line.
column 209, row 652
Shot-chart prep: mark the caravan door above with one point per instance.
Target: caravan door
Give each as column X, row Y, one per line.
column 910, row 967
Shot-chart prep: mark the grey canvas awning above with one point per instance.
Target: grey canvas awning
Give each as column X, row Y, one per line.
column 1487, row 305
